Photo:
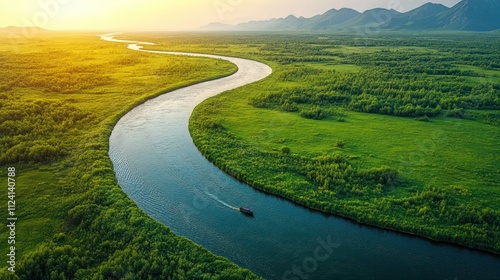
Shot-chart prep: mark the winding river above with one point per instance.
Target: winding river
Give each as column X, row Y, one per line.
column 159, row 167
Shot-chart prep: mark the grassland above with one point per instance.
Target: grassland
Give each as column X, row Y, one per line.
column 341, row 115
column 425, row 164
column 60, row 95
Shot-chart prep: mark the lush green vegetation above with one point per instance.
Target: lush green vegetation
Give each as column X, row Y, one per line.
column 398, row 132
column 60, row 95
column 334, row 128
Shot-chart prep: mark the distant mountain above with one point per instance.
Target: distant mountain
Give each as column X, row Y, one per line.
column 473, row 15
column 409, row 19
column 217, row 26
column 329, row 19
column 289, row 23
column 370, row 18
column 477, row 15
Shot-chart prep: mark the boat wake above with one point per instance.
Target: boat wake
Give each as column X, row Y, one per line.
column 222, row 202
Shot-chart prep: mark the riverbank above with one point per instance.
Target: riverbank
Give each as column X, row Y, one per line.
column 239, row 169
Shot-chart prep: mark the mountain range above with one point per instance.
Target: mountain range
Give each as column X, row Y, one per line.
column 470, row 15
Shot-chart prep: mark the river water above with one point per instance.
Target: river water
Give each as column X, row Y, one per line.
column 159, row 167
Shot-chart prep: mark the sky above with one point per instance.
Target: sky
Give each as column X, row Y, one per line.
column 158, row 15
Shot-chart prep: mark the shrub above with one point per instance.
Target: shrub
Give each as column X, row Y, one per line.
column 339, row 144
column 290, row 107
column 423, row 119
column 315, row 113
column 285, row 150
column 456, row 113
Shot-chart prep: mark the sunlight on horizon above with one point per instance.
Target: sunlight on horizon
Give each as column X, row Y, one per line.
column 97, row 14
column 172, row 14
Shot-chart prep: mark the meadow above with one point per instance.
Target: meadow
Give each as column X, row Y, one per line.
column 60, row 96
column 395, row 131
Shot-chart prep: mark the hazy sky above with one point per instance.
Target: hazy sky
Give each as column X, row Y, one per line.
column 173, row 14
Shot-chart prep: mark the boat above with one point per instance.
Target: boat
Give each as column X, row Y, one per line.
column 246, row 211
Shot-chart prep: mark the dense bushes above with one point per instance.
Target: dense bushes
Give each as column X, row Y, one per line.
column 29, row 130
column 375, row 91
column 337, row 175
column 315, row 113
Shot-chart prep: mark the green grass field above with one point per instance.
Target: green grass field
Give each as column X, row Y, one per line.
column 442, row 152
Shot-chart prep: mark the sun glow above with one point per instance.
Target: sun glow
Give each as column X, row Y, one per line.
column 98, row 14
column 170, row 14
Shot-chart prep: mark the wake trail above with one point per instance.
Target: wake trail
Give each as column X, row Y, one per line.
column 222, row 202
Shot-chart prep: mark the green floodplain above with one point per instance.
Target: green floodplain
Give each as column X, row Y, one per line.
column 393, row 130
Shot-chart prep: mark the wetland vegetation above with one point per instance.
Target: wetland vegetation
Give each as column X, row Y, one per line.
column 396, row 131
